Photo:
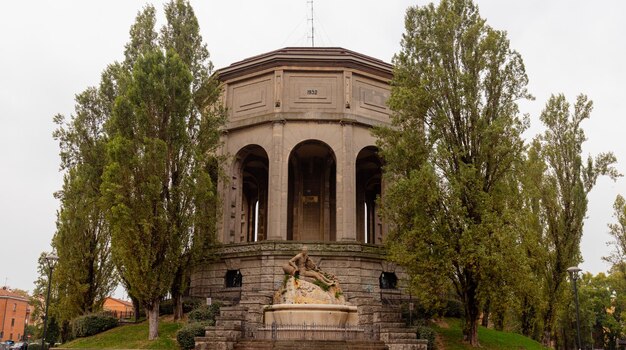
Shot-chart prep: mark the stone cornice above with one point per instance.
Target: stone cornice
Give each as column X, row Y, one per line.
column 302, row 57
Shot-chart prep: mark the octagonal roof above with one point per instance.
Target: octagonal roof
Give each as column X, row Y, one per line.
column 334, row 57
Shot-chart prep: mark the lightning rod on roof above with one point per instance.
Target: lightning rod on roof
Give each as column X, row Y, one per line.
column 312, row 37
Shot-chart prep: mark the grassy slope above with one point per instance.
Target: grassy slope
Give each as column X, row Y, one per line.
column 489, row 339
column 133, row 336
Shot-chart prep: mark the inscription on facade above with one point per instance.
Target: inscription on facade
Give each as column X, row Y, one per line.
column 312, row 91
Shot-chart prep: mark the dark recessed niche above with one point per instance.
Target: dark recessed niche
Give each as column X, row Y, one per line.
column 388, row 280
column 233, row 279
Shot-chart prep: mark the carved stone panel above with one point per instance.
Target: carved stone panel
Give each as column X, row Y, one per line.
column 251, row 97
column 371, row 99
column 312, row 91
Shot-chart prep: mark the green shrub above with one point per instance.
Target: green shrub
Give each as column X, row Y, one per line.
column 454, row 308
column 429, row 334
column 205, row 313
column 36, row 345
column 185, row 336
column 166, row 307
column 191, row 303
column 88, row 325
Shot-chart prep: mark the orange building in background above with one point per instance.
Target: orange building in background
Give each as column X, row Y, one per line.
column 119, row 308
column 14, row 314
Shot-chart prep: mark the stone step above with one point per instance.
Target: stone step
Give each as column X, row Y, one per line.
column 228, row 323
column 386, row 336
column 233, row 312
column 388, row 316
column 254, row 345
column 391, row 325
column 407, row 344
column 309, row 344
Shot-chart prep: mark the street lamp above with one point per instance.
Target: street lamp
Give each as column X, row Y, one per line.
column 573, row 274
column 51, row 260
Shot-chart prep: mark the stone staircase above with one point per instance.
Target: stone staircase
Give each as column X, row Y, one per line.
column 309, row 344
column 394, row 332
column 226, row 332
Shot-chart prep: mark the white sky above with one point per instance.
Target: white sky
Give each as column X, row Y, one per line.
column 52, row 50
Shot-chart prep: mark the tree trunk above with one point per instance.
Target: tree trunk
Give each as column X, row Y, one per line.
column 472, row 312
column 471, row 330
column 177, row 303
column 485, row 320
column 135, row 308
column 153, row 320
column 547, row 328
column 177, row 294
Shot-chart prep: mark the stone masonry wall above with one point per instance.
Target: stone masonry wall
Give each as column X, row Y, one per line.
column 357, row 266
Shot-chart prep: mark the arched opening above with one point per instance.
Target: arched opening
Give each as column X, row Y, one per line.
column 252, row 162
column 312, row 193
column 368, row 188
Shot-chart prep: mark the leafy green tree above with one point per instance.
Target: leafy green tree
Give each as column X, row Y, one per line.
column 157, row 177
column 39, row 298
column 85, row 272
column 618, row 232
column 450, row 154
column 182, row 35
column 563, row 189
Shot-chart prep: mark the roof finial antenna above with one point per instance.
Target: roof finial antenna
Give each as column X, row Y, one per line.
column 312, row 37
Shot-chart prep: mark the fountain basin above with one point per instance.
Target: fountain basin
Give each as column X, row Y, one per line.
column 331, row 315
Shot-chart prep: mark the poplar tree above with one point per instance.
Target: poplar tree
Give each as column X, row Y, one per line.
column 450, row 154
column 181, row 33
column 618, row 231
column 85, row 272
column 143, row 180
column 140, row 167
column 160, row 177
column 563, row 188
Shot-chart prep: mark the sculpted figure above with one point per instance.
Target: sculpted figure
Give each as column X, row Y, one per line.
column 304, row 266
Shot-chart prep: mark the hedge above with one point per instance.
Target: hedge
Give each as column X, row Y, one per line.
column 205, row 313
column 88, row 325
column 186, row 335
column 429, row 334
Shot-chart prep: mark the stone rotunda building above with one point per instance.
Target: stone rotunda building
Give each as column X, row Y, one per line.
column 302, row 169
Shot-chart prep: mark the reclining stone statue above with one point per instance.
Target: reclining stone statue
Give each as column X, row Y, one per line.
column 302, row 265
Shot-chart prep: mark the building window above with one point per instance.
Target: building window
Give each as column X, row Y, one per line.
column 233, row 279
column 14, row 306
column 12, row 322
column 388, row 280
column 11, row 336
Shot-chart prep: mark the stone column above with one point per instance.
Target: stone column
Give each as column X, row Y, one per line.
column 346, row 183
column 277, row 228
column 223, row 187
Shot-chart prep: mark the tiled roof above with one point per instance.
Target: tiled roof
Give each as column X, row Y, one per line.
column 127, row 303
column 5, row 293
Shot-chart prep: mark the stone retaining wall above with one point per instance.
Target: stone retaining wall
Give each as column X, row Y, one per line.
column 357, row 266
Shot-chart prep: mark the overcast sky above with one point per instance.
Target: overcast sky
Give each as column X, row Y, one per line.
column 52, row 50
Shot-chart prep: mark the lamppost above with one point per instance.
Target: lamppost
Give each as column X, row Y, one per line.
column 573, row 274
column 51, row 260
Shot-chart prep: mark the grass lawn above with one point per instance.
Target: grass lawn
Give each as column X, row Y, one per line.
column 132, row 336
column 489, row 339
